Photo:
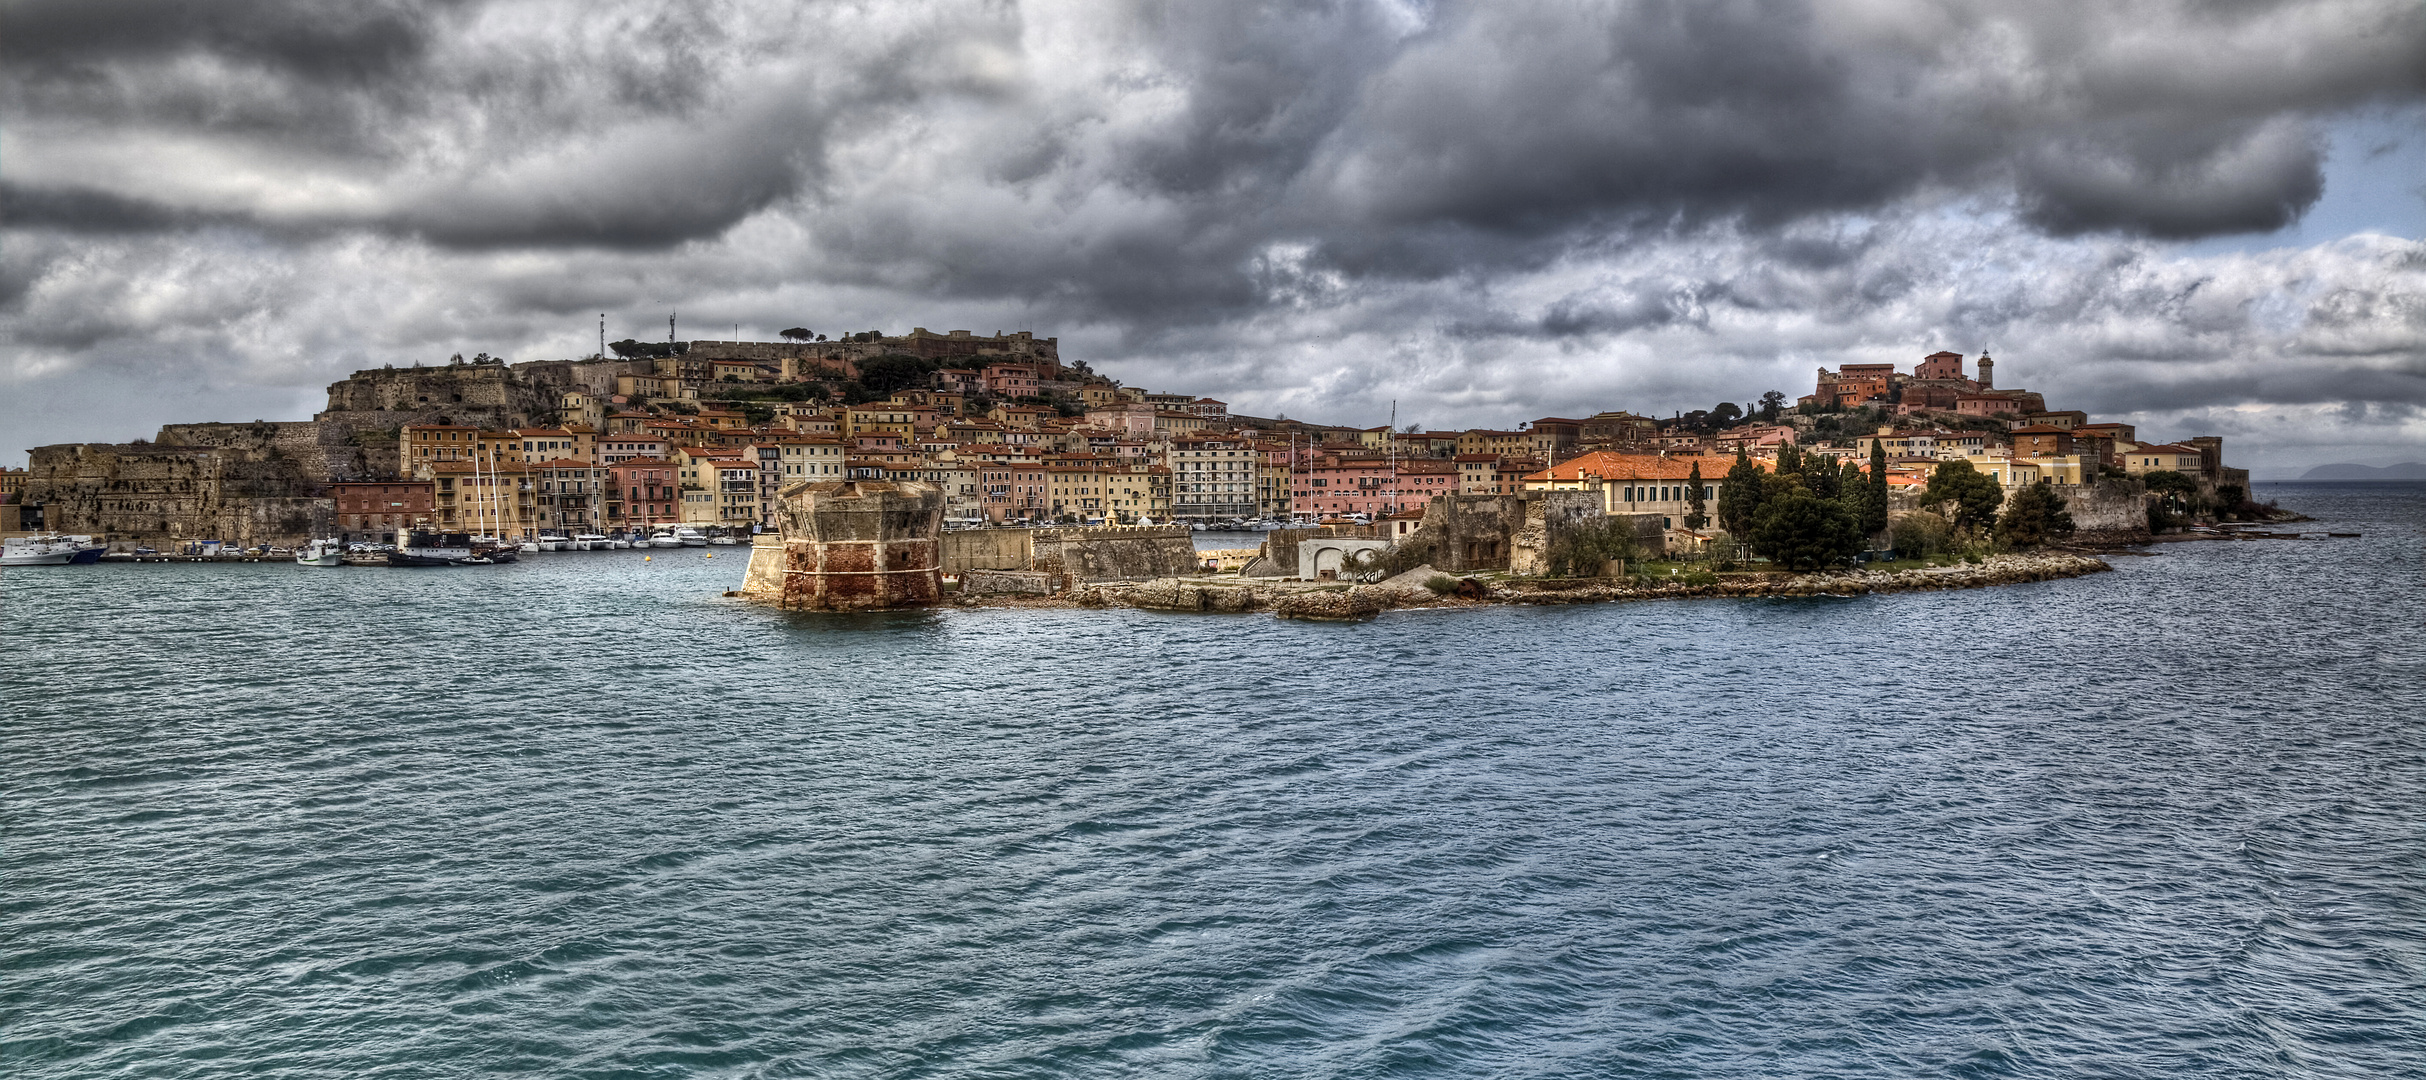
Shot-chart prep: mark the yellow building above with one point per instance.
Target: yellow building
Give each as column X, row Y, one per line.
column 808, row 460
column 475, row 498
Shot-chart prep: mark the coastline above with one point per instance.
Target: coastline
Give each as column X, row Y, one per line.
column 1339, row 602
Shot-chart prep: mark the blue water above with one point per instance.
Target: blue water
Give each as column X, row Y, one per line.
column 583, row 816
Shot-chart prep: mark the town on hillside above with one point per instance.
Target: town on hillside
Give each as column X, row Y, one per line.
column 703, row 435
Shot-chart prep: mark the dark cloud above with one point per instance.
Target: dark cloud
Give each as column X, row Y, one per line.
column 1396, row 197
column 357, row 41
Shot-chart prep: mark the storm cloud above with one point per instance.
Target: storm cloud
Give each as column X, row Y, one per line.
column 1478, row 210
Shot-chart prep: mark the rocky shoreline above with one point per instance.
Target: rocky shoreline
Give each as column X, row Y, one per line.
column 1332, row 602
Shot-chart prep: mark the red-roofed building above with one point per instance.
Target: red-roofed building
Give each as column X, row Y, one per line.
column 1642, row 483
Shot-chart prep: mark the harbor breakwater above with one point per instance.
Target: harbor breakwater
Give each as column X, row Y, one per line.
column 1331, row 601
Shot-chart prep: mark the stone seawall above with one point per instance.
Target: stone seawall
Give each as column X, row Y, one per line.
column 1321, row 602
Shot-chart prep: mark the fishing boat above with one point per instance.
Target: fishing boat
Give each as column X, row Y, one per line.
column 321, row 553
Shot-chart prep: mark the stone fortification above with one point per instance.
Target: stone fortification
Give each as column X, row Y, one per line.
column 988, row 549
column 1103, row 553
column 1115, row 553
column 852, row 545
column 253, row 484
column 1463, row 533
column 366, row 409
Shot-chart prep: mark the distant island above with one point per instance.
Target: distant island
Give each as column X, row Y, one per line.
column 2407, row 470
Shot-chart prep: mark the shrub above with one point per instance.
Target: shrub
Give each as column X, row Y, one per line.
column 1441, row 584
column 1698, row 577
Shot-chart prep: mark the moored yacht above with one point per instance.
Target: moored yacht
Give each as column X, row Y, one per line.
column 321, row 553
column 687, row 536
column 591, row 542
column 664, row 538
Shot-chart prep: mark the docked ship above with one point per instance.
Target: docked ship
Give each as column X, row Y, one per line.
column 50, row 550
column 422, row 547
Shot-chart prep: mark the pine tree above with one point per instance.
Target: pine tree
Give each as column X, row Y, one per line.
column 2035, row 515
column 1696, row 510
column 1874, row 510
column 1740, row 501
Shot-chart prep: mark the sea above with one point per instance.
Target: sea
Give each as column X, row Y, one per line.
column 585, row 816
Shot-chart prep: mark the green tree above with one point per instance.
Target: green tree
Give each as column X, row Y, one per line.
column 1771, row 404
column 1874, row 509
column 1696, row 509
column 1725, row 415
column 1973, row 495
column 2035, row 515
column 796, row 334
column 1803, row 532
column 1820, row 475
column 1740, row 501
column 2177, row 488
column 891, row 372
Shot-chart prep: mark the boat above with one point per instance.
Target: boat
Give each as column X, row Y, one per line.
column 621, row 545
column 687, row 536
column 423, row 547
column 50, row 550
column 664, row 538
column 527, row 546
column 321, row 553
column 723, row 541
column 591, row 542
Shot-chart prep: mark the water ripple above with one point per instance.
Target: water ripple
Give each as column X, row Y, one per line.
column 582, row 816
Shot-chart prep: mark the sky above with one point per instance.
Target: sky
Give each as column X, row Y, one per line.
column 2199, row 216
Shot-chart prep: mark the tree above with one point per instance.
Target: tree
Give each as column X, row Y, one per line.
column 1740, row 501
column 1874, row 509
column 893, row 371
column 2034, row 516
column 1696, row 510
column 1821, row 476
column 1772, row 403
column 1802, row 532
column 1974, row 496
column 796, row 333
column 1725, row 415
column 2177, row 488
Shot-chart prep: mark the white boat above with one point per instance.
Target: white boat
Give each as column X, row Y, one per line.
column 527, row 547
column 687, row 536
column 49, row 550
column 590, row 542
column 665, row 538
column 321, row 553
column 620, row 545
column 723, row 541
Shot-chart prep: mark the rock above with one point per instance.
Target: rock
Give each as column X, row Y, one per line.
column 1362, row 602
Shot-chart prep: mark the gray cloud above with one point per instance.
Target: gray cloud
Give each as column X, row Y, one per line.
column 1479, row 205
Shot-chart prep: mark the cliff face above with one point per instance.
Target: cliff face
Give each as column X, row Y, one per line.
column 261, row 486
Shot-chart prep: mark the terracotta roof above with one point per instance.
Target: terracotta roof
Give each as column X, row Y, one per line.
column 1604, row 465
